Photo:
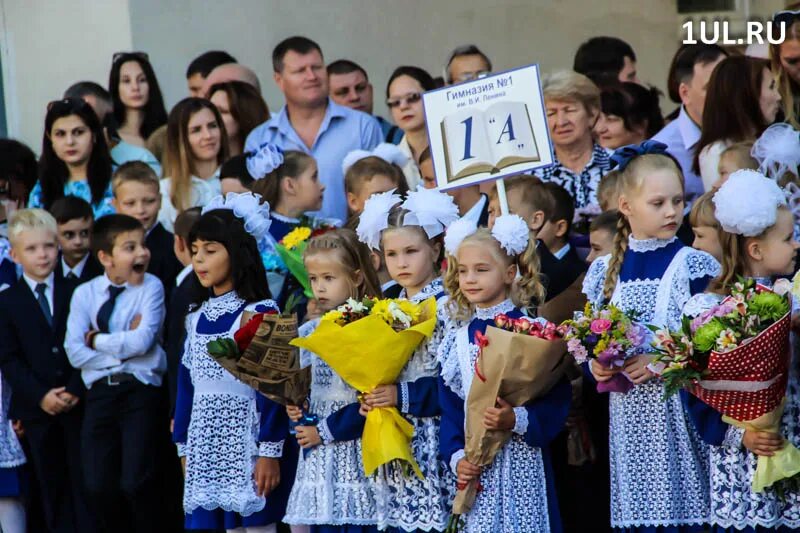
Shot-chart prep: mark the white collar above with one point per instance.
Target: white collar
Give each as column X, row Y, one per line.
column 32, row 283
column 182, row 274
column 562, row 252
column 389, row 284
column 648, row 245
column 282, row 218
column 690, row 131
column 485, row 313
column 474, row 213
column 77, row 269
column 428, row 291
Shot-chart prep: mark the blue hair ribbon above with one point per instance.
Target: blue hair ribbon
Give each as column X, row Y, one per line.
column 623, row 156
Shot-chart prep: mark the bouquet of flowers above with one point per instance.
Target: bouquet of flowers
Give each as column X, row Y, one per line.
column 259, row 355
column 608, row 335
column 519, row 360
column 368, row 343
column 735, row 358
column 290, row 249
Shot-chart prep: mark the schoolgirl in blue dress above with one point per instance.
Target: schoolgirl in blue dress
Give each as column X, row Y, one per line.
column 517, row 492
column 753, row 211
column 407, row 234
column 331, row 494
column 75, row 158
column 238, row 472
column 659, row 464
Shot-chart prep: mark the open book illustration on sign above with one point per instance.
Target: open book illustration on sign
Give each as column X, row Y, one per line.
column 478, row 141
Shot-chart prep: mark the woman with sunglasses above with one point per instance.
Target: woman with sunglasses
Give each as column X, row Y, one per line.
column 785, row 64
column 75, row 159
column 138, row 105
column 404, row 100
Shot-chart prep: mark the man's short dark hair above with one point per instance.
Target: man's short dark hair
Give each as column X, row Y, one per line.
column 560, row 205
column 69, row 208
column 345, row 66
column 465, row 50
column 602, row 58
column 185, row 221
column 297, row 44
column 208, row 61
column 108, row 228
column 88, row 88
column 682, row 68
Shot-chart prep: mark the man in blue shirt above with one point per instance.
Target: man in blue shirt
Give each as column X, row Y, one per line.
column 691, row 70
column 311, row 122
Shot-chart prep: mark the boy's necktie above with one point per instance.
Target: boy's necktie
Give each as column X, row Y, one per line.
column 42, row 299
column 71, row 275
column 104, row 314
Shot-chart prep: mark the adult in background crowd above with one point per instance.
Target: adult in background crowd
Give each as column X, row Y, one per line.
column 100, row 100
column 230, row 72
column 466, row 63
column 629, row 114
column 785, row 64
column 606, row 60
column 687, row 83
column 404, row 100
column 743, row 99
column 349, row 86
column 242, row 109
column 138, row 104
column 201, row 67
column 572, row 104
column 313, row 123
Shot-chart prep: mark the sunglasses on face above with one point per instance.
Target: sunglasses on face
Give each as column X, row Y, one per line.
column 66, row 104
column 129, row 55
column 785, row 17
column 410, row 98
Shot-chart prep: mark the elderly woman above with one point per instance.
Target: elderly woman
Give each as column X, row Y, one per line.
column 572, row 102
column 785, row 65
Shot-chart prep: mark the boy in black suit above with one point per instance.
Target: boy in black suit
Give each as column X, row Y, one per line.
column 136, row 194
column 75, row 219
column 47, row 391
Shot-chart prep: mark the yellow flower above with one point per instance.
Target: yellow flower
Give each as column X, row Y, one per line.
column 333, row 316
column 295, row 237
column 394, row 311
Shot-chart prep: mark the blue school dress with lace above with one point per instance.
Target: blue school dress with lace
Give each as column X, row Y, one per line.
column 659, row 464
column 405, row 502
column 11, row 455
column 518, row 492
column 222, row 427
column 734, row 506
column 81, row 190
column 331, row 492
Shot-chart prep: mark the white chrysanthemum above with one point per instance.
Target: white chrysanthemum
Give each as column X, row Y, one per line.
column 777, row 150
column 264, row 160
column 246, row 206
column 430, row 209
column 747, row 203
column 375, row 217
column 457, row 232
column 512, row 233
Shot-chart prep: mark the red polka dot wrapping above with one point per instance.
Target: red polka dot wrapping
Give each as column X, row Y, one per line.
column 763, row 359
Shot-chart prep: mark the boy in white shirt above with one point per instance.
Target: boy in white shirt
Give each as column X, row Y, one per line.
column 113, row 334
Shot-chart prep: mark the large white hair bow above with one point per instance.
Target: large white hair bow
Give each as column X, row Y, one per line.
column 248, row 207
column 747, row 203
column 386, row 151
column 777, row 150
column 266, row 159
column 457, row 232
column 375, row 217
column 512, row 233
column 430, row 209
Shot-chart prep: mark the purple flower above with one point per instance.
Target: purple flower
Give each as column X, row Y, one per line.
column 610, row 357
column 577, row 350
column 636, row 335
column 591, row 339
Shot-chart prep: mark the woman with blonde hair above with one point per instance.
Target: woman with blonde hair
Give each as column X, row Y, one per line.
column 196, row 147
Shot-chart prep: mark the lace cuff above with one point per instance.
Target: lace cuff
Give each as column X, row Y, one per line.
column 455, row 459
column 521, row 424
column 181, row 449
column 733, row 437
column 325, row 434
column 403, row 390
column 270, row 449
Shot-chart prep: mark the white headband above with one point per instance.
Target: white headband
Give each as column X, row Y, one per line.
column 264, row 160
column 777, row 150
column 747, row 203
column 429, row 209
column 386, row 151
column 510, row 231
column 246, row 206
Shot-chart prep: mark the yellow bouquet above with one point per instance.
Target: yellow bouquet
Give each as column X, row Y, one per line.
column 368, row 343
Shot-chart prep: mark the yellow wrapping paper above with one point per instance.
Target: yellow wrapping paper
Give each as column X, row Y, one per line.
column 786, row 461
column 367, row 353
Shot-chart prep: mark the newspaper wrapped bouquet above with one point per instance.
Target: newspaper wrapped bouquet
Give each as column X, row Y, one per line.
column 519, row 361
column 260, row 356
column 735, row 358
column 608, row 335
column 368, row 343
